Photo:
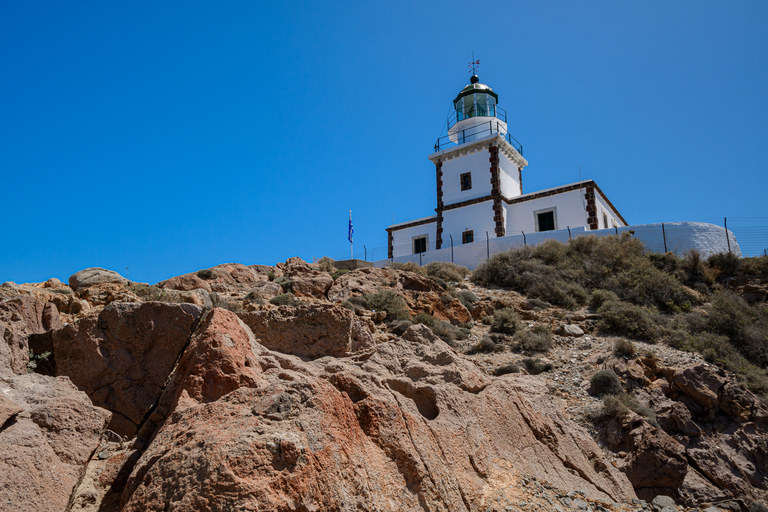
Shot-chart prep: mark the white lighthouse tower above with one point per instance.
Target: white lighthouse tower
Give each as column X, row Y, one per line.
column 479, row 176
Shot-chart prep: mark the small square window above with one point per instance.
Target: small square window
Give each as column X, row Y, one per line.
column 419, row 244
column 468, row 237
column 546, row 221
column 466, row 181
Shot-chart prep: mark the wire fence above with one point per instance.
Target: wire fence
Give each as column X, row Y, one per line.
column 741, row 236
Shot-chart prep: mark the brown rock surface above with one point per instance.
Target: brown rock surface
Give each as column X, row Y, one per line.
column 410, row 425
column 228, row 277
column 122, row 357
column 94, row 276
column 19, row 317
column 312, row 331
column 44, row 447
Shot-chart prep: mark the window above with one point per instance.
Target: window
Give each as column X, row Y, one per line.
column 419, row 244
column 605, row 221
column 546, row 221
column 468, row 237
column 466, row 181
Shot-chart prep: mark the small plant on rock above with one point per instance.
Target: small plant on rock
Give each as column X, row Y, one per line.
column 389, row 301
column 285, row 299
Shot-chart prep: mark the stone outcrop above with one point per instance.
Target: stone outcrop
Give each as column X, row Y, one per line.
column 19, row 317
column 93, row 276
column 229, row 277
column 406, row 425
column 122, row 357
column 311, row 331
column 712, row 443
column 48, row 431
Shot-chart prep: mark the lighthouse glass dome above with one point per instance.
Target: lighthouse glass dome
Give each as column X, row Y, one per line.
column 477, row 104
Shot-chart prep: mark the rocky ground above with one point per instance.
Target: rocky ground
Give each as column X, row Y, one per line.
column 199, row 394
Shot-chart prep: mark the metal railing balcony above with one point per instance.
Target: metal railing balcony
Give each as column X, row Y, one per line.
column 475, row 132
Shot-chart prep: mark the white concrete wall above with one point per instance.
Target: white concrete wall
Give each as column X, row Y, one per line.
column 477, row 163
column 569, row 212
column 604, row 208
column 510, row 177
column 477, row 217
column 681, row 237
column 403, row 238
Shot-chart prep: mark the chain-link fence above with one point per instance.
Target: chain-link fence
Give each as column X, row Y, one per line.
column 743, row 236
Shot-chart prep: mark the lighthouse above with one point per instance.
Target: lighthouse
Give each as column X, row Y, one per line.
column 479, row 183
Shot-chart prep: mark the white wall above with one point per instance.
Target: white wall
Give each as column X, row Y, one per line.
column 477, row 163
column 477, row 217
column 403, row 238
column 569, row 212
column 604, row 208
column 681, row 237
column 510, row 177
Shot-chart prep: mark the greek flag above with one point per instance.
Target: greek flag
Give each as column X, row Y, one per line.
column 351, row 230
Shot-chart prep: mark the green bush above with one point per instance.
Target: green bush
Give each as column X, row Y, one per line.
column 538, row 339
column 505, row 321
column 599, row 297
column 757, row 266
column 745, row 325
column 564, row 274
column 535, row 366
column 286, row 283
column 624, row 348
column 467, row 298
column 389, row 301
column 726, row 264
column 338, row 273
column 628, row 320
column 424, row 318
column 605, row 382
column 448, row 332
column 285, row 299
column 446, row 271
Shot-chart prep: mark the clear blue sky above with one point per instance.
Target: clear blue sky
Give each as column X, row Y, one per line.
column 171, row 136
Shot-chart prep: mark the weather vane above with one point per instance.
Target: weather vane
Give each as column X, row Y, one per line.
column 474, row 64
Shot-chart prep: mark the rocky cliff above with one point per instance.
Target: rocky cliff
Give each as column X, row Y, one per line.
column 203, row 393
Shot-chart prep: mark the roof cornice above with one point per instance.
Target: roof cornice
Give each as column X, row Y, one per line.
column 478, row 145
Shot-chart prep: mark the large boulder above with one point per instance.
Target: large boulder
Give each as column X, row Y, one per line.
column 93, row 276
column 19, row 317
column 123, row 357
column 229, row 277
column 408, row 425
column 311, row 331
column 46, row 440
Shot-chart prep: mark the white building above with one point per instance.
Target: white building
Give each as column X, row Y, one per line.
column 479, row 174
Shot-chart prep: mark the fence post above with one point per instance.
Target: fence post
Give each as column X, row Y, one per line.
column 617, row 230
column 569, row 232
column 525, row 242
column 366, row 252
column 664, row 234
column 727, row 238
column 451, row 237
column 420, row 258
column 487, row 246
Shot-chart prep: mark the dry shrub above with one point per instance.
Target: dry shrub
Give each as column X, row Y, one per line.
column 505, row 321
column 446, row 271
column 389, row 301
column 628, row 320
column 285, row 299
column 538, row 339
column 605, row 382
column 485, row 344
column 624, row 348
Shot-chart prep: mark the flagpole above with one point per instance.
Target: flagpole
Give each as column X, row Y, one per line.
column 351, row 250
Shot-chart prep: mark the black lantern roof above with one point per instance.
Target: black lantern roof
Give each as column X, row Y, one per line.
column 475, row 86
